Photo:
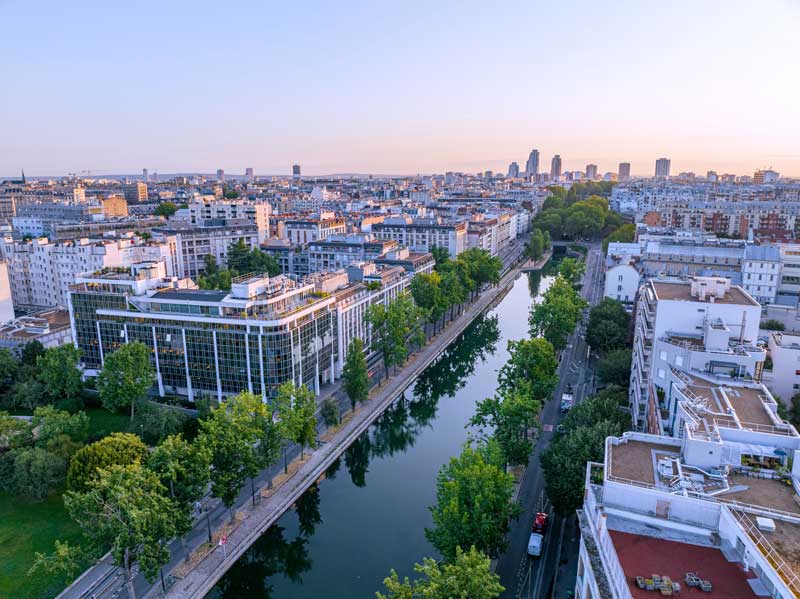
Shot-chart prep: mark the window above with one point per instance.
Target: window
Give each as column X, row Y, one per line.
column 678, row 360
column 661, row 373
column 663, row 356
column 620, row 277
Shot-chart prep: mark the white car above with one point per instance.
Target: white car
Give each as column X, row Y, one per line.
column 535, row 544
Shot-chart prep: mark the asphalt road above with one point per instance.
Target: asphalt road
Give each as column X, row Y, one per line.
column 525, row 577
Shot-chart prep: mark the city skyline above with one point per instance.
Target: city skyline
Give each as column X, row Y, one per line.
column 339, row 94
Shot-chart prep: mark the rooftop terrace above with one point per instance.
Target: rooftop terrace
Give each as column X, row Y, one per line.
column 682, row 291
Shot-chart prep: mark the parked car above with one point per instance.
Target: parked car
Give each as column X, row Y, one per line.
column 535, row 544
column 540, row 523
column 566, row 402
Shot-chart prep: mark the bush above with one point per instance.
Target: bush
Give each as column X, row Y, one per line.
column 154, row 423
column 615, row 367
column 773, row 325
column 37, row 473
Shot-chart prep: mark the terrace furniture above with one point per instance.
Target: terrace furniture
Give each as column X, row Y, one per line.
column 705, row 586
column 691, row 579
column 640, row 582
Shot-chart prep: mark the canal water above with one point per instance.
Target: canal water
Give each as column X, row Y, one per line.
column 368, row 515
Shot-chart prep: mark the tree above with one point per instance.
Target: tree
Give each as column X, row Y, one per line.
column 296, row 413
column 555, row 317
column 615, row 367
column 531, row 361
column 229, row 436
column 536, row 245
column 469, row 576
column 49, row 423
column 60, row 377
column 605, row 406
column 441, row 255
column 564, row 463
column 792, row 411
column 126, row 376
column 126, row 509
column 117, row 449
column 236, row 258
column 37, row 473
column 14, row 432
column 608, row 326
column 154, row 422
column 625, row 234
column 453, row 292
column 330, row 412
column 509, row 417
column 547, row 242
column 473, row 505
column 166, row 209
column 30, row 352
column 393, row 327
column 9, row 367
column 355, row 376
column 572, row 270
column 772, row 324
column 183, row 469
column 483, row 268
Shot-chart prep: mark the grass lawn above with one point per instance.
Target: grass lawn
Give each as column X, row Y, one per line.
column 102, row 422
column 25, row 528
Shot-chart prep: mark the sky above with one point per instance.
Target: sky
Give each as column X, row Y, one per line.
column 398, row 87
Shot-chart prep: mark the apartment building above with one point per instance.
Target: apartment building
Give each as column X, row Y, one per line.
column 704, row 323
column 41, row 271
column 689, row 257
column 622, row 278
column 718, row 515
column 303, row 231
column 193, row 244
column 339, row 251
column 421, row 235
column 761, row 272
column 784, row 378
column 209, row 211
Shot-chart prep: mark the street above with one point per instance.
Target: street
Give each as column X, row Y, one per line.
column 527, row 577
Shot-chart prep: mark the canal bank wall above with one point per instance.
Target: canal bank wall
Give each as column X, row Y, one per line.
column 200, row 580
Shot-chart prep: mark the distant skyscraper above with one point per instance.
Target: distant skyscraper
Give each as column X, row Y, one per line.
column 662, row 167
column 513, row 170
column 555, row 167
column 532, row 165
column 296, row 171
column 221, row 175
column 624, row 171
column 591, row 171
column 145, row 177
column 248, row 175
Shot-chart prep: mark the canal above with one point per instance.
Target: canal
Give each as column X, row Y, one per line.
column 369, row 513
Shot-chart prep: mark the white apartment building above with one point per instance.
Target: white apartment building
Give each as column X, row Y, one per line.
column 6, row 302
column 702, row 511
column 302, row 231
column 210, row 210
column 423, row 234
column 789, row 287
column 41, row 271
column 622, row 279
column 761, row 272
column 784, row 379
column 339, row 251
column 705, row 324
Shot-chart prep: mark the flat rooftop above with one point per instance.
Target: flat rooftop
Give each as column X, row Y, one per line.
column 644, row 556
column 192, row 295
column 765, row 492
column 636, row 460
column 682, row 291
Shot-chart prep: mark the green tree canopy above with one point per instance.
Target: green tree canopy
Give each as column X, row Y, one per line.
column 355, row 376
column 166, row 209
column 469, row 576
column 615, row 367
column 60, row 377
column 531, row 361
column 37, row 473
column 49, row 423
column 572, row 269
column 555, row 317
column 296, row 411
column 473, row 505
column 608, row 326
column 126, row 509
column 126, row 376
column 117, row 449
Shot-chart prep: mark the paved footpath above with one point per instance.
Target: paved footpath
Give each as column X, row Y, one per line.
column 105, row 581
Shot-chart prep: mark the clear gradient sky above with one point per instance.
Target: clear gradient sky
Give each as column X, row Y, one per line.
column 401, row 87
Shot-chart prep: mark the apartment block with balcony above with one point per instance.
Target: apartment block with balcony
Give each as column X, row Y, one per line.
column 421, row 235
column 705, row 324
column 339, row 251
column 721, row 522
